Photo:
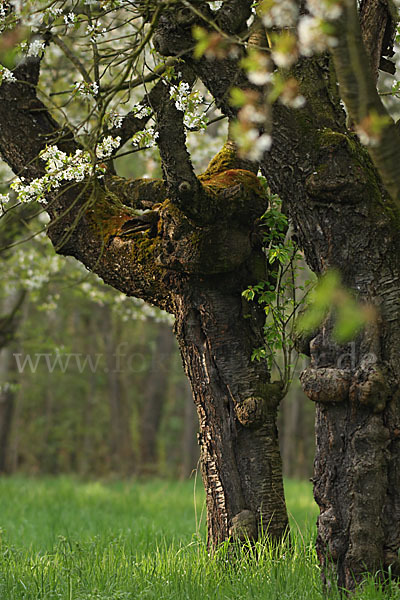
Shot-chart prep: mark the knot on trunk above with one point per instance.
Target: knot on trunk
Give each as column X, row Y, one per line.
column 212, row 236
column 250, row 412
column 326, row 385
column 342, row 173
column 254, row 411
column 244, row 526
column 371, row 388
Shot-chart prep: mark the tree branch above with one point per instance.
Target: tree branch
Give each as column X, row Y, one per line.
column 72, row 57
column 27, row 126
column 87, row 219
column 132, row 124
column 182, row 185
column 358, row 90
column 233, row 14
column 377, row 28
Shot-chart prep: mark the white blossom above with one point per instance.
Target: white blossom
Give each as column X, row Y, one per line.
column 312, row 38
column 4, row 6
column 250, row 143
column 140, row 111
column 216, row 5
column 6, row 75
column 4, row 199
column 87, row 90
column 180, row 95
column 259, row 77
column 293, row 102
column 94, row 30
column 189, row 103
column 279, row 13
column 250, row 113
column 146, row 138
column 366, row 139
column 328, row 10
column 70, row 18
column 61, row 167
column 115, row 120
column 105, row 148
column 36, row 48
column 54, row 11
column 259, row 68
column 260, row 145
column 283, row 60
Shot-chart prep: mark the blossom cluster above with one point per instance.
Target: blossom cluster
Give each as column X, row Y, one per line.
column 61, row 168
column 145, row 138
column 6, row 75
column 95, row 30
column 36, row 48
column 315, row 33
column 114, row 120
column 279, row 13
column 314, row 36
column 87, row 90
column 4, row 8
column 189, row 103
column 140, row 111
column 252, row 117
column 328, row 10
column 106, row 147
column 253, row 145
column 4, row 201
column 70, row 19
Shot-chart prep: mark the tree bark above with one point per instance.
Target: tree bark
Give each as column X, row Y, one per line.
column 236, row 405
column 344, row 219
column 190, row 448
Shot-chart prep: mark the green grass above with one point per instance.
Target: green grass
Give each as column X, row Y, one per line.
column 65, row 539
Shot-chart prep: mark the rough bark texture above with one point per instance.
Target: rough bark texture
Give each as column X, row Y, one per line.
column 237, row 407
column 190, row 448
column 345, row 220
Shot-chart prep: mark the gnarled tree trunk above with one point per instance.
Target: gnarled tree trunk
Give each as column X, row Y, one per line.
column 193, row 253
column 237, row 408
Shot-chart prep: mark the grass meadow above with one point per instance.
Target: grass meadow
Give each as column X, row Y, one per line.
column 62, row 538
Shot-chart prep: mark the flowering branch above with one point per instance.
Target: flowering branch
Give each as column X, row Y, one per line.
column 182, row 184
